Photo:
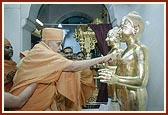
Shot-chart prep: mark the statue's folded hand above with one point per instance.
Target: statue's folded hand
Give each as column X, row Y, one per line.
column 105, row 75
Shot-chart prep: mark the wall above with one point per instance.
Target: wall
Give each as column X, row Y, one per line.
column 19, row 22
column 71, row 41
column 12, row 27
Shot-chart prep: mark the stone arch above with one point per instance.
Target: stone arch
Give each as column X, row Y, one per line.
column 74, row 14
column 32, row 12
column 28, row 24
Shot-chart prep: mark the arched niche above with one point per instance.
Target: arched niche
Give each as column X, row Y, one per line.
column 34, row 11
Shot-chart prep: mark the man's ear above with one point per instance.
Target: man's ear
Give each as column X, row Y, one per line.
column 136, row 29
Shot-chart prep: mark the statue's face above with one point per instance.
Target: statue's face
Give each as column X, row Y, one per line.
column 127, row 29
column 112, row 37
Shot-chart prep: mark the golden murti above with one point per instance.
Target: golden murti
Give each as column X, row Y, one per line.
column 113, row 41
column 131, row 75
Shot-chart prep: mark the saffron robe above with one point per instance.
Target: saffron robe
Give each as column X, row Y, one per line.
column 87, row 85
column 83, row 83
column 9, row 65
column 43, row 66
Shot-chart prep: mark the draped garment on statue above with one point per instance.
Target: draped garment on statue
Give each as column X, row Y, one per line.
column 9, row 65
column 43, row 66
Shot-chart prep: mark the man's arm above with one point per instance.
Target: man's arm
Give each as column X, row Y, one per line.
column 79, row 65
column 12, row 101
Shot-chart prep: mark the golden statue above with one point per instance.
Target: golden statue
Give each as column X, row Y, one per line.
column 113, row 41
column 131, row 75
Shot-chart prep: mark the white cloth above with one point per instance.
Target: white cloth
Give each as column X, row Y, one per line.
column 110, row 106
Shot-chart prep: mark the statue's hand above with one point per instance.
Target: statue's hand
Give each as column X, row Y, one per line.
column 114, row 78
column 105, row 75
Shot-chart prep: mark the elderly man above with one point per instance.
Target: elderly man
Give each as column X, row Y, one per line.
column 87, row 81
column 54, row 73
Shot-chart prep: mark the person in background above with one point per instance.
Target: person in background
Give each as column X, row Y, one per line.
column 87, row 81
column 54, row 74
column 68, row 53
column 9, row 65
column 22, row 55
column 80, row 56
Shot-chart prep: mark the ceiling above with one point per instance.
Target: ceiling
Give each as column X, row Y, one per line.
column 52, row 14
